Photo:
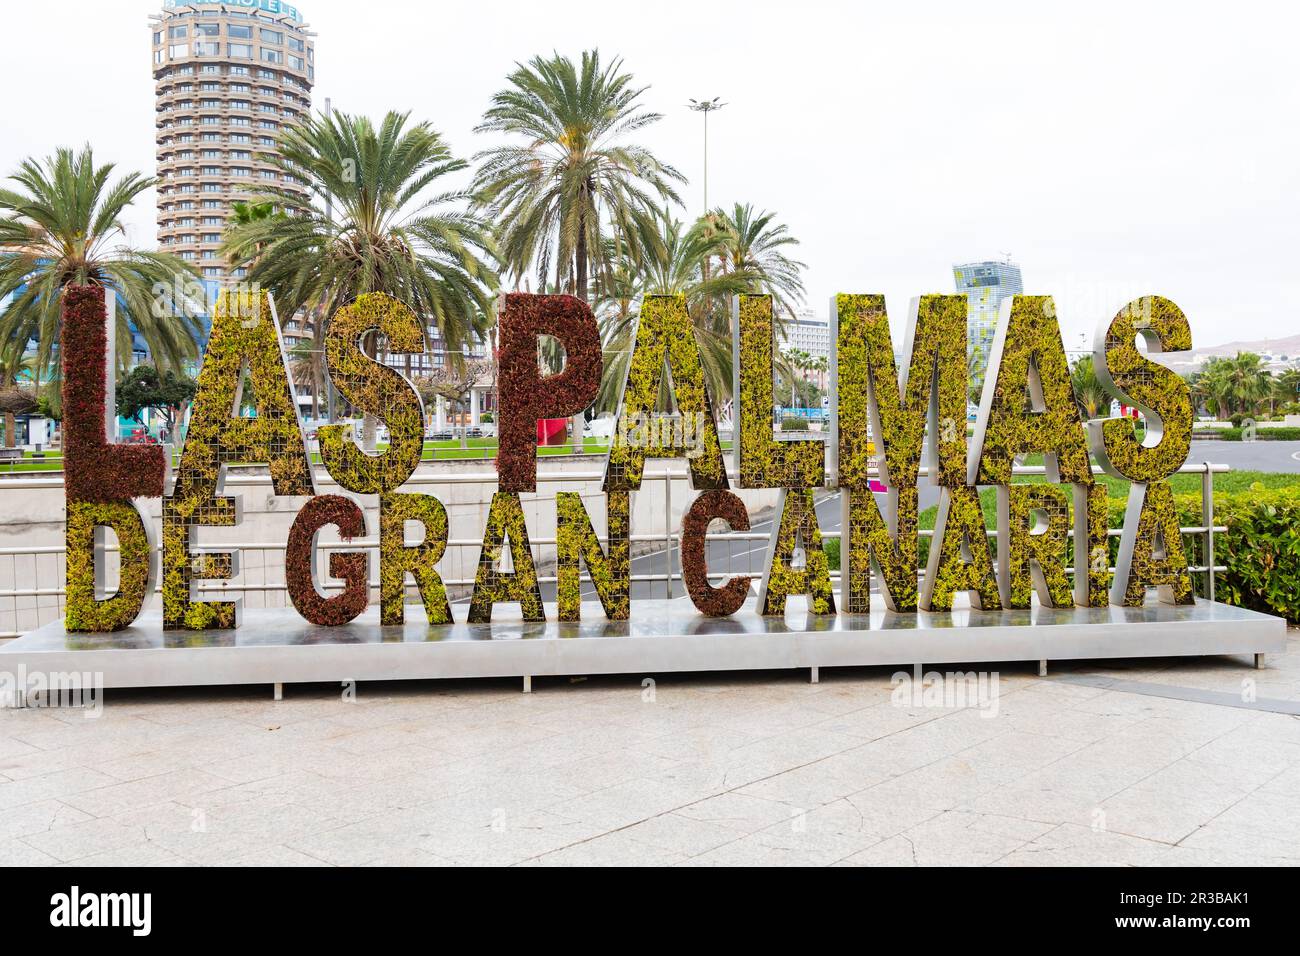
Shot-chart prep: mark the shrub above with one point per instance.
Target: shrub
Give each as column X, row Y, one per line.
column 487, row 418
column 793, row 423
column 1261, row 434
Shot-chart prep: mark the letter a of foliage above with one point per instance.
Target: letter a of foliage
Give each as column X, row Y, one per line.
column 1151, row 550
column 492, row 586
column 888, row 546
column 87, row 609
column 708, row 600
column 665, row 337
column 1033, row 544
column 1028, row 405
column 352, row 567
column 1091, row 546
column 245, row 334
column 575, row 541
column 960, row 558
column 797, row 530
column 523, row 393
column 375, row 388
column 764, row 462
column 1162, row 395
column 397, row 559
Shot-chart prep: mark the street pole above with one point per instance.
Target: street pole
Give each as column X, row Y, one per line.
column 706, row 107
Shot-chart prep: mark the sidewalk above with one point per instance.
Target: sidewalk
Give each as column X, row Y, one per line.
column 1154, row 768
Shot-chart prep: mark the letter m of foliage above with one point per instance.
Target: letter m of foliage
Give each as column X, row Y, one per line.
column 576, row 540
column 101, row 478
column 245, row 336
column 665, row 338
column 377, row 389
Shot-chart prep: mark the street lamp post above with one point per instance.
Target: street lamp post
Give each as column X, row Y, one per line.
column 706, row 107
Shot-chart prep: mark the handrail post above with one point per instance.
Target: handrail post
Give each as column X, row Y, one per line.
column 1207, row 514
column 668, row 533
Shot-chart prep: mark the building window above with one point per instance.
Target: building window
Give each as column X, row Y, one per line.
column 271, row 36
column 242, row 50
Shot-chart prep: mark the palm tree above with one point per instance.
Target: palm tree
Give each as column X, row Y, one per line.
column 754, row 246
column 64, row 227
column 15, row 399
column 573, row 181
column 1089, row 394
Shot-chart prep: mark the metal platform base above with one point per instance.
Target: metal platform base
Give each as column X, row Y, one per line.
column 277, row 646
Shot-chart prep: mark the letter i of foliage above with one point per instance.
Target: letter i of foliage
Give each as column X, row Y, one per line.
column 493, row 586
column 397, row 559
column 1091, row 546
column 797, row 530
column 576, row 541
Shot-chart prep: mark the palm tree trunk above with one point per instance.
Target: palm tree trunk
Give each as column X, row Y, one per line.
column 11, row 427
column 580, row 253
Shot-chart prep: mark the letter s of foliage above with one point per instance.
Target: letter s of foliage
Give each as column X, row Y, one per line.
column 665, row 336
column 397, row 559
column 576, row 540
column 93, row 468
column 492, row 586
column 764, row 462
column 1031, row 370
column 375, row 388
column 797, row 529
column 708, row 600
column 960, row 557
column 523, row 394
column 1151, row 550
column 1133, row 379
column 86, row 522
column 353, row 567
column 1033, row 557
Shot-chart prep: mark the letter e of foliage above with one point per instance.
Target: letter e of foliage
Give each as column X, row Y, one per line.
column 796, row 532
column 352, row 567
column 764, row 462
column 1028, row 403
column 1151, row 550
column 1033, row 543
column 575, row 541
column 665, row 338
column 523, row 394
column 493, row 586
column 375, row 388
column 960, row 557
column 397, row 559
column 709, row 600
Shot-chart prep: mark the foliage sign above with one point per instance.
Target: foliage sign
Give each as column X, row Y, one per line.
column 903, row 428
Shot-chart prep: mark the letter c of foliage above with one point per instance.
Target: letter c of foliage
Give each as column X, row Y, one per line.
column 764, row 462
column 1028, row 402
column 493, row 586
column 797, row 529
column 375, row 388
column 94, row 468
column 86, row 524
column 397, row 560
column 708, row 600
column 353, row 567
column 1161, row 394
column 523, row 393
column 576, row 540
column 960, row 557
column 1032, row 556
column 1151, row 550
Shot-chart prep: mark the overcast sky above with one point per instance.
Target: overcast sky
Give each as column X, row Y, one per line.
column 1116, row 150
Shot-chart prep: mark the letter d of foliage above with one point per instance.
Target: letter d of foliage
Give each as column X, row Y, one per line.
column 352, row 567
column 375, row 388
column 88, row 608
column 764, row 462
column 523, row 393
column 1151, row 550
column 245, row 334
column 1033, row 538
column 575, row 541
column 960, row 558
column 665, row 337
column 797, row 530
column 1162, row 395
column 1028, row 405
column 493, row 586
column 397, row 559
column 708, row 600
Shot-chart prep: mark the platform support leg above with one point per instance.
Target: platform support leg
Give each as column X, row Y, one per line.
column 1259, row 662
column 813, row 676
column 528, row 684
column 277, row 690
column 1042, row 667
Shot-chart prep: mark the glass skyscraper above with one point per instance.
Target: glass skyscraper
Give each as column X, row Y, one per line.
column 985, row 285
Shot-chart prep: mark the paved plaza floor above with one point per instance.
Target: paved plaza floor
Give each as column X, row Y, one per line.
column 1192, row 762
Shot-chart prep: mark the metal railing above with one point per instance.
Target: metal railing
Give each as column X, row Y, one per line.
column 657, row 546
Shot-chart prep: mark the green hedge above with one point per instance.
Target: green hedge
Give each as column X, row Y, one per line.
column 1261, row 434
column 793, row 423
column 1260, row 549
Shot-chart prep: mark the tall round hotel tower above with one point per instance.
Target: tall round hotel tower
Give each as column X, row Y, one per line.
column 228, row 76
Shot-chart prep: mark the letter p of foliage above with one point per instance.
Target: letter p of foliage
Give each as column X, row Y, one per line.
column 100, row 477
column 352, row 567
column 523, row 393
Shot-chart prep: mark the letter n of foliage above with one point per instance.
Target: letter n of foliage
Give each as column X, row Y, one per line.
column 890, row 546
column 397, row 559
column 352, row 567
column 665, row 337
column 1033, row 544
column 87, row 609
column 493, row 586
column 960, row 557
column 1151, row 550
column 375, row 388
column 708, row 600
column 797, row 530
column 576, row 541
